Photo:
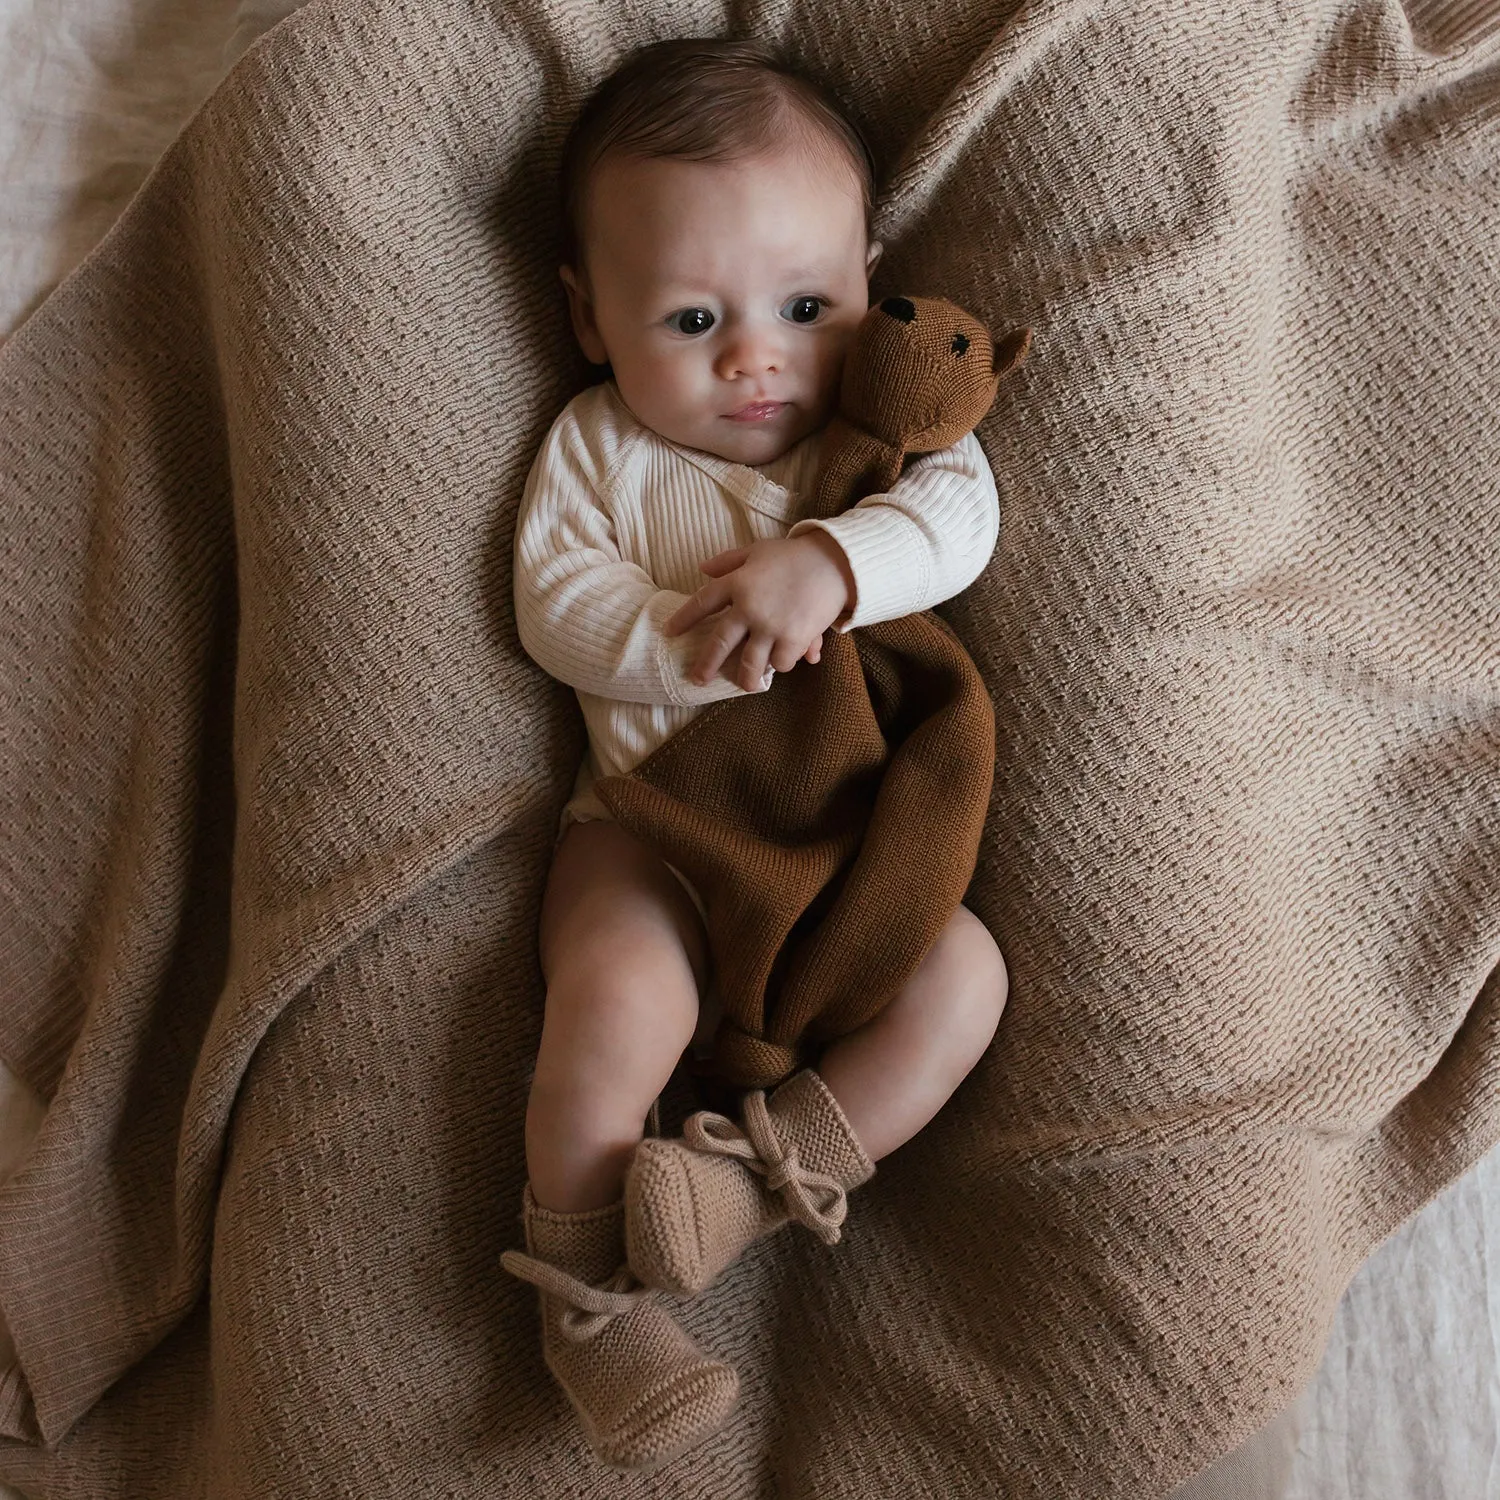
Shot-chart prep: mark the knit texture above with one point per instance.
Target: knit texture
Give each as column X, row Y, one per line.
column 643, row 1390
column 695, row 1202
column 279, row 785
column 805, row 815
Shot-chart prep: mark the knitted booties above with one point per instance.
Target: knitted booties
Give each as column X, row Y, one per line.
column 694, row 1203
column 643, row 1389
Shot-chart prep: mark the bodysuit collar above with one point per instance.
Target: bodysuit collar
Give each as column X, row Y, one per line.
column 750, row 486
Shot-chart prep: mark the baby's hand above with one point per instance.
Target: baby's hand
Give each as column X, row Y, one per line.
column 774, row 599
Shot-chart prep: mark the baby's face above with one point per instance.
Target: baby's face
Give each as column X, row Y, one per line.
column 724, row 294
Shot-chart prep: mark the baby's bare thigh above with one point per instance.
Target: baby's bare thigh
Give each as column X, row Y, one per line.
column 610, row 900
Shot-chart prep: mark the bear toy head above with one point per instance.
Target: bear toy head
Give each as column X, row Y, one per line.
column 922, row 372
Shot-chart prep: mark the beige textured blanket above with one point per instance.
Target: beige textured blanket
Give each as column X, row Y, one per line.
column 278, row 786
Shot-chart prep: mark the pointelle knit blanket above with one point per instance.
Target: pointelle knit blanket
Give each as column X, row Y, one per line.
column 278, row 785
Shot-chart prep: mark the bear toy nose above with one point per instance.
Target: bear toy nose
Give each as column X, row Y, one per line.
column 899, row 307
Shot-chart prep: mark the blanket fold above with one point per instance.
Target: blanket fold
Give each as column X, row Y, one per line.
column 280, row 786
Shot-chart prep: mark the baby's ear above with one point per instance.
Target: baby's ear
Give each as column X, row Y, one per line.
column 581, row 308
column 872, row 257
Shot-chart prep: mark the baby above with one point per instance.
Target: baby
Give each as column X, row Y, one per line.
column 717, row 256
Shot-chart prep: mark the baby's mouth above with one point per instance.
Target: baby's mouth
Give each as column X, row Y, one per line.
column 757, row 411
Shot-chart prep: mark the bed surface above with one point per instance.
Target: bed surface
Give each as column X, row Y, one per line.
column 1407, row 1402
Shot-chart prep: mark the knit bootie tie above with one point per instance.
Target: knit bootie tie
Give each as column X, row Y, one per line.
column 694, row 1203
column 643, row 1389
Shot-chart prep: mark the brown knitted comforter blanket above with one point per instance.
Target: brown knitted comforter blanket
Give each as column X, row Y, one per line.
column 278, row 785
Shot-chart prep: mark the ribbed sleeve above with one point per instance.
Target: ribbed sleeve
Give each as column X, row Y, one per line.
column 922, row 541
column 584, row 613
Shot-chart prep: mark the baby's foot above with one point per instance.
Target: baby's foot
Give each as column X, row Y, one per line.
column 693, row 1204
column 643, row 1389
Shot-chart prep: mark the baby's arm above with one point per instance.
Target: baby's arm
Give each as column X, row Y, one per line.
column 584, row 614
column 770, row 601
column 922, row 541
column 892, row 554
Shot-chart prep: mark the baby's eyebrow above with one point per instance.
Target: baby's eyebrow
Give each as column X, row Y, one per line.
column 677, row 291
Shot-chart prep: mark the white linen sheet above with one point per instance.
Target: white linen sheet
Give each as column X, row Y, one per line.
column 1407, row 1403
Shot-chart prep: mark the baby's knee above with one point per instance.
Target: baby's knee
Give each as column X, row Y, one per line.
column 980, row 982
column 616, row 1020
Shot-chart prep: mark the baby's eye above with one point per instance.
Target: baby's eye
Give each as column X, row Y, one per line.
column 803, row 309
column 691, row 320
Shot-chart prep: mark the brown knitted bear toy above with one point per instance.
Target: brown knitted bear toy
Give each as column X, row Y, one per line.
column 831, row 823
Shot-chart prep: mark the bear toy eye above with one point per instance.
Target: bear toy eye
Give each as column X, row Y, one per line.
column 960, row 343
column 899, row 307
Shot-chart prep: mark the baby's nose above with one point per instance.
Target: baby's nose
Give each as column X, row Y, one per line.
column 750, row 348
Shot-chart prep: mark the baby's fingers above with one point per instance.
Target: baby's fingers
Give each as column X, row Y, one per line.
column 708, row 600
column 724, row 637
column 724, row 562
column 755, row 657
column 787, row 653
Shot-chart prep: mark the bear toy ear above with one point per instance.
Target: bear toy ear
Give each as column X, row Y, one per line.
column 1010, row 351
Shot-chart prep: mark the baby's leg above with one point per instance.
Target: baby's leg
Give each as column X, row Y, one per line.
column 895, row 1072
column 691, row 1208
column 622, row 950
column 625, row 958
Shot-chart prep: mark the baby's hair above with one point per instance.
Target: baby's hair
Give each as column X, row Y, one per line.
column 701, row 99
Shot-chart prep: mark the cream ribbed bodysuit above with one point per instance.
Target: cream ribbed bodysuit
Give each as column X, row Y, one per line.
column 615, row 520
